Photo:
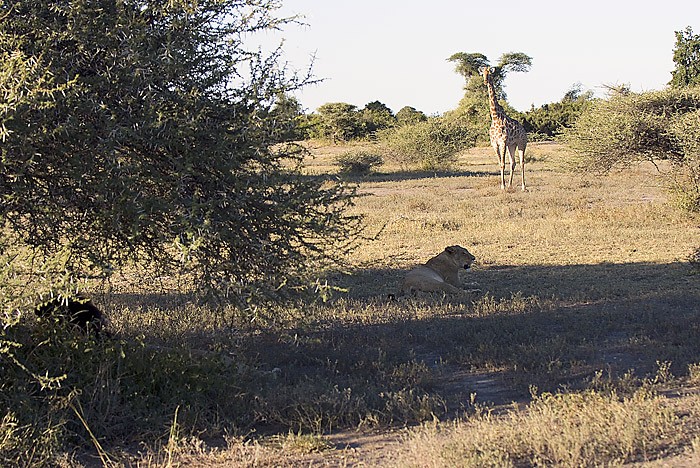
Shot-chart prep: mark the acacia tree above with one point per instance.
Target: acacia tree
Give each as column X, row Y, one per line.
column 468, row 65
column 474, row 107
column 142, row 132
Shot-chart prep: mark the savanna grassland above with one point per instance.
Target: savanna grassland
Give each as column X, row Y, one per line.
column 582, row 348
column 152, row 170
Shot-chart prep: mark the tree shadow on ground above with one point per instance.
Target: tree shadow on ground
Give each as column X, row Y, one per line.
column 577, row 283
column 545, row 326
column 403, row 175
column 363, row 357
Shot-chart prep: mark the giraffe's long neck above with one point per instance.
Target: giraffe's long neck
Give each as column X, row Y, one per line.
column 495, row 108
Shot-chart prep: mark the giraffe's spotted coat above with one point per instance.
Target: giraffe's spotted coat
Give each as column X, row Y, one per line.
column 506, row 134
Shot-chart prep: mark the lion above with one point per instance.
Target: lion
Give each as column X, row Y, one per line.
column 440, row 273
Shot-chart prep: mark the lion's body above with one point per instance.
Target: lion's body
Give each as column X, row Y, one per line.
column 440, row 273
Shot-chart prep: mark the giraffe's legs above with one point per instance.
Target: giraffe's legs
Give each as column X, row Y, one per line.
column 502, row 162
column 512, row 151
column 501, row 153
column 511, row 156
column 522, row 166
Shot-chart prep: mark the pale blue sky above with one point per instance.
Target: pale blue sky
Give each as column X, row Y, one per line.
column 395, row 51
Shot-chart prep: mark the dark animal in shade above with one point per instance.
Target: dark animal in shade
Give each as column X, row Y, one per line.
column 77, row 311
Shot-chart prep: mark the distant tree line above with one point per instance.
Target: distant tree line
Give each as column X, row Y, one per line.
column 413, row 139
column 408, row 137
column 340, row 121
column 604, row 132
column 548, row 121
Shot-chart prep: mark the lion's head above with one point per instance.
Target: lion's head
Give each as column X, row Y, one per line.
column 460, row 256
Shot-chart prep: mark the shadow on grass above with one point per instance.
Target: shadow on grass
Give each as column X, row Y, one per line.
column 544, row 325
column 578, row 283
column 395, row 176
column 550, row 327
column 361, row 359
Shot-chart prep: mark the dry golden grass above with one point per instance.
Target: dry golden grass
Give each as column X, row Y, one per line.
column 586, row 287
column 563, row 219
column 597, row 258
column 566, row 430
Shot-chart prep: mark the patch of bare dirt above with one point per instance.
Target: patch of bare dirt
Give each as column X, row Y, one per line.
column 462, row 388
column 348, row 449
column 388, row 191
column 679, row 461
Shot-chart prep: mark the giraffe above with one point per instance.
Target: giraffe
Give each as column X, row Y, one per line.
column 506, row 135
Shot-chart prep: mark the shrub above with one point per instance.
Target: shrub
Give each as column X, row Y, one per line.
column 630, row 127
column 113, row 154
column 338, row 121
column 431, row 145
column 358, row 161
column 686, row 179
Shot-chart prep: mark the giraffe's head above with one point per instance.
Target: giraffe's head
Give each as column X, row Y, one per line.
column 485, row 71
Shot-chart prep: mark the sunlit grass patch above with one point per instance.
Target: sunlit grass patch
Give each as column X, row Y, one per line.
column 573, row 430
column 300, row 442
